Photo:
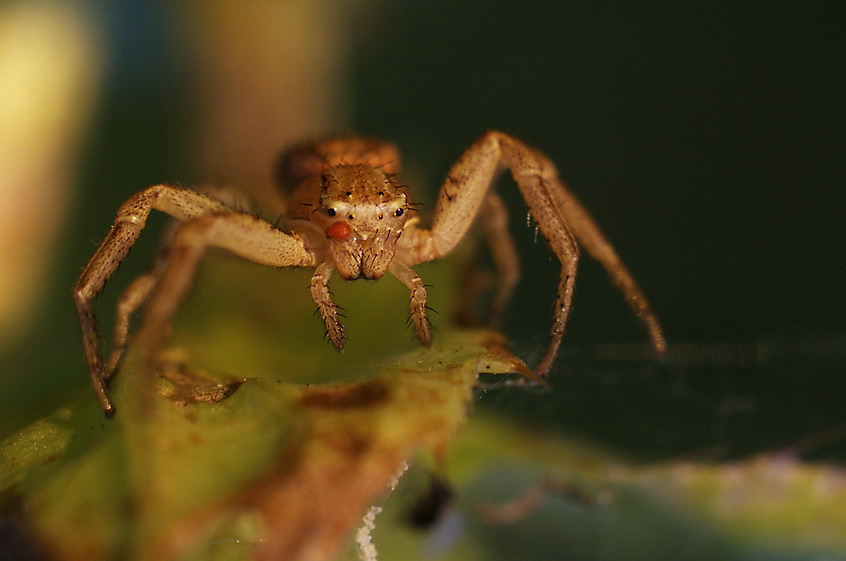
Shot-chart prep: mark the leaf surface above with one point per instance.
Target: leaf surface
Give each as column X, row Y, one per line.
column 286, row 460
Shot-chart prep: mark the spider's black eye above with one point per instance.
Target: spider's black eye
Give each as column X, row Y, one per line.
column 330, row 211
column 398, row 212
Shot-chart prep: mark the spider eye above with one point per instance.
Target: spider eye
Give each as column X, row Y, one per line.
column 399, row 212
column 330, row 211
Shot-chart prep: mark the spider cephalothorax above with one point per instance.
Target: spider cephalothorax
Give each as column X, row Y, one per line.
column 361, row 212
column 346, row 212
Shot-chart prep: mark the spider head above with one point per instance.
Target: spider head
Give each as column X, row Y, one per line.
column 363, row 212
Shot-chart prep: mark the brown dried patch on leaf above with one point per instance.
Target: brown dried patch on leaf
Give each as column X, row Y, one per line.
column 348, row 396
column 192, row 386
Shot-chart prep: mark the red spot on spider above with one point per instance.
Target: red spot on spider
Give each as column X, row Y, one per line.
column 339, row 231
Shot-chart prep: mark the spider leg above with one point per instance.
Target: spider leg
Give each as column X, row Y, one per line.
column 558, row 213
column 132, row 298
column 494, row 226
column 417, row 301
column 504, row 253
column 130, row 220
column 241, row 234
column 560, row 216
column 326, row 306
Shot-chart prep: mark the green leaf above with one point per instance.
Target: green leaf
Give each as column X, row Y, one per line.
column 283, row 445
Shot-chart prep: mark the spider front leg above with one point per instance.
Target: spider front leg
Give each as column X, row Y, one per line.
column 129, row 222
column 131, row 218
column 558, row 213
column 561, row 217
column 243, row 235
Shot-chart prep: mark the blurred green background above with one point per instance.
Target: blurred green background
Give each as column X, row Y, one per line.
column 707, row 139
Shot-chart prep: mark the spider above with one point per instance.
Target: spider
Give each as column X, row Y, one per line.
column 347, row 213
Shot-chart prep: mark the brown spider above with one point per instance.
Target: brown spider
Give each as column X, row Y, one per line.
column 348, row 213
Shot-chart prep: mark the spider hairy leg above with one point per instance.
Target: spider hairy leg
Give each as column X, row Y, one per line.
column 129, row 221
column 541, row 175
column 246, row 236
column 417, row 300
column 326, row 307
column 243, row 235
column 560, row 216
